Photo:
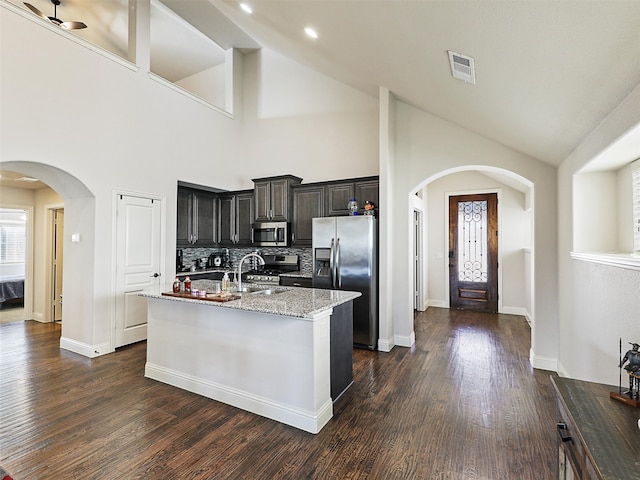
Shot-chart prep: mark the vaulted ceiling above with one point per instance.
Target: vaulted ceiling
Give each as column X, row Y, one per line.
column 547, row 71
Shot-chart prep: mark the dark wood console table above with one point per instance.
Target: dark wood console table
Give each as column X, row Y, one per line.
column 600, row 439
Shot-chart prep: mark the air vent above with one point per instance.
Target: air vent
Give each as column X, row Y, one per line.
column 462, row 67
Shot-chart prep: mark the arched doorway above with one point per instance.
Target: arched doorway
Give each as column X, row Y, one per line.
column 79, row 205
column 516, row 233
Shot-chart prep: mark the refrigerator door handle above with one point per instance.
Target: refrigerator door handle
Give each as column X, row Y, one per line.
column 338, row 275
column 332, row 263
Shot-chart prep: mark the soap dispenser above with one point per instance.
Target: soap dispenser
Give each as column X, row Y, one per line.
column 226, row 283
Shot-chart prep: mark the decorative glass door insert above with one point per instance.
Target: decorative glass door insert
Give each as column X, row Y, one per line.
column 472, row 241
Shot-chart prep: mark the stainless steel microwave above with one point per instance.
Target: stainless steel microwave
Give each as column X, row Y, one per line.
column 270, row 234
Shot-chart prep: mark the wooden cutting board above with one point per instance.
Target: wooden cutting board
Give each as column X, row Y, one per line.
column 211, row 297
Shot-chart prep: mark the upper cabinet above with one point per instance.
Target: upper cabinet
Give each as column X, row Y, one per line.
column 196, row 218
column 273, row 199
column 210, row 219
column 327, row 199
column 340, row 192
column 244, row 217
column 367, row 190
column 308, row 203
column 236, row 215
column 184, row 218
column 338, row 196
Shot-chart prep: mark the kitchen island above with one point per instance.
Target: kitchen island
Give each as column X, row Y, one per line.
column 286, row 355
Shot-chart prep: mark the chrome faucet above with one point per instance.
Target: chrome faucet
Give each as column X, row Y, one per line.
column 239, row 275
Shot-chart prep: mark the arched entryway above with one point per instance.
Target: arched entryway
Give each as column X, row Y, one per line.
column 79, row 205
column 516, row 233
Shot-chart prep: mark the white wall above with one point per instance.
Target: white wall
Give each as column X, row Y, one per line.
column 595, row 218
column 208, row 85
column 599, row 304
column 624, row 208
column 426, row 148
column 89, row 124
column 299, row 122
column 515, row 236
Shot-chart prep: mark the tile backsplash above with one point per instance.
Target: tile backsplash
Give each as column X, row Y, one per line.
column 236, row 253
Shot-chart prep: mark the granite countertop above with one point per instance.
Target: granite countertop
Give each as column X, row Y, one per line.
column 291, row 302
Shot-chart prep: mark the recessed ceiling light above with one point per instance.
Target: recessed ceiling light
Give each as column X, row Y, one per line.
column 27, row 179
column 246, row 7
column 311, row 32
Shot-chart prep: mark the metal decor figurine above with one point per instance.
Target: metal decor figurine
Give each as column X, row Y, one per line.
column 632, row 360
column 631, row 363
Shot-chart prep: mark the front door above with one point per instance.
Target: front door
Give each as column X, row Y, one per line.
column 473, row 252
column 138, row 254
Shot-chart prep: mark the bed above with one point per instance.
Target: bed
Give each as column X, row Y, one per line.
column 11, row 289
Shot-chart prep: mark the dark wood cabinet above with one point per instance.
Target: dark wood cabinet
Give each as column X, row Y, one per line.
column 209, row 218
column 184, row 218
column 597, row 435
column 244, row 217
column 226, row 219
column 338, row 196
column 339, row 193
column 296, row 281
column 273, row 198
column 308, row 203
column 235, row 217
column 327, row 199
column 196, row 218
column 367, row 190
column 206, row 205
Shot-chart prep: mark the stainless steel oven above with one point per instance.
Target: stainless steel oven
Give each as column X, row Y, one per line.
column 270, row 234
column 274, row 266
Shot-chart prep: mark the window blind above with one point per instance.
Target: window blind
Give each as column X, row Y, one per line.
column 12, row 238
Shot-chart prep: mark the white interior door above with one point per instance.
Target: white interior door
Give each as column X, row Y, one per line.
column 417, row 260
column 58, row 240
column 138, row 255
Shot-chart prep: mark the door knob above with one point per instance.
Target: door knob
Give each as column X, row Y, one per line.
column 155, row 275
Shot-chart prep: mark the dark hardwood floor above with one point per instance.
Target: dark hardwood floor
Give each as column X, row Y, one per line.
column 464, row 403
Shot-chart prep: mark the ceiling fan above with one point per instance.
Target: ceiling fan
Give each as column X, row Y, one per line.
column 56, row 21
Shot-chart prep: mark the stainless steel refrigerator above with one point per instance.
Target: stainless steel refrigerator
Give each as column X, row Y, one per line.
column 345, row 258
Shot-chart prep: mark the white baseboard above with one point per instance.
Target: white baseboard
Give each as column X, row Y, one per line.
column 543, row 363
column 514, row 311
column 385, row 344
column 85, row 349
column 562, row 371
column 38, row 317
column 405, row 341
column 521, row 311
column 305, row 420
column 437, row 303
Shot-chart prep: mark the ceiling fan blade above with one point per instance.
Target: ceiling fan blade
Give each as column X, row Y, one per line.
column 36, row 11
column 73, row 25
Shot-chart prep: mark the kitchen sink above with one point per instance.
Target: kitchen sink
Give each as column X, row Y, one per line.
column 251, row 289
column 270, row 291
